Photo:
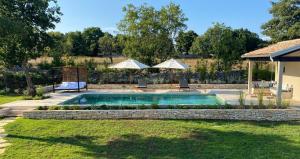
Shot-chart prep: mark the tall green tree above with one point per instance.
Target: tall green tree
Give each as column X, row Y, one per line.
column 74, row 43
column 10, row 38
column 200, row 47
column 150, row 33
column 184, row 41
column 120, row 43
column 250, row 41
column 91, row 36
column 285, row 24
column 225, row 44
column 28, row 40
column 55, row 48
column 107, row 45
column 172, row 20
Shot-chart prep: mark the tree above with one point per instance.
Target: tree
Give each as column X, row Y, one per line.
column 226, row 44
column 200, row 47
column 184, row 41
column 285, row 24
column 91, row 36
column 10, row 32
column 55, row 48
column 248, row 39
column 74, row 43
column 28, row 40
column 172, row 19
column 107, row 45
column 150, row 33
column 120, row 43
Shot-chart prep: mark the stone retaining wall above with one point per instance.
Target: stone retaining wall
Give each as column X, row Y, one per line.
column 4, row 112
column 224, row 114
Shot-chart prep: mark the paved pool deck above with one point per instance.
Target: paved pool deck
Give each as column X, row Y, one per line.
column 231, row 96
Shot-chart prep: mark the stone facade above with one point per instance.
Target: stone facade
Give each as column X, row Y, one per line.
column 223, row 114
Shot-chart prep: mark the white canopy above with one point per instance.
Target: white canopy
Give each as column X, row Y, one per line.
column 129, row 64
column 172, row 64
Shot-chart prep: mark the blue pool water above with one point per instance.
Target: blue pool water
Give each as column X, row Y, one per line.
column 145, row 99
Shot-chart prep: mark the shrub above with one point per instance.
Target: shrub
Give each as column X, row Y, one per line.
column 154, row 106
column 92, row 107
column 271, row 104
column 18, row 91
column 142, row 107
column 54, row 108
column 40, row 90
column 103, row 107
column 42, row 108
column 65, row 108
column 37, row 98
column 260, row 98
column 75, row 107
column 2, row 92
column 242, row 98
column 227, row 106
column 251, row 106
column 285, row 103
column 201, row 67
column 25, row 92
column 28, row 98
column 90, row 64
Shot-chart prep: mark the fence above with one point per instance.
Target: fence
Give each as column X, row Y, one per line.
column 122, row 77
column 14, row 80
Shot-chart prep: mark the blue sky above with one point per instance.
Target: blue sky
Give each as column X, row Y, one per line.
column 250, row 14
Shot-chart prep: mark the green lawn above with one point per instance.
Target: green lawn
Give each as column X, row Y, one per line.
column 9, row 98
column 165, row 139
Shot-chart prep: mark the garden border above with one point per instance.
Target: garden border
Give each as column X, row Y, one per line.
column 221, row 114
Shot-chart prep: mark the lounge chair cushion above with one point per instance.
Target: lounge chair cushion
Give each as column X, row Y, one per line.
column 71, row 85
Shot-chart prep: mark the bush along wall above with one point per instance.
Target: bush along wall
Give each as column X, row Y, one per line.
column 15, row 81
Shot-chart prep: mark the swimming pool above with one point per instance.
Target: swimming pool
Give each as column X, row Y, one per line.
column 118, row 99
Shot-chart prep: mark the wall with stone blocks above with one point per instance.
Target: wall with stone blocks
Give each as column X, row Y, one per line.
column 224, row 114
column 4, row 112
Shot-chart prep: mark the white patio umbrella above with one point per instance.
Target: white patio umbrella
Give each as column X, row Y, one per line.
column 172, row 64
column 129, row 64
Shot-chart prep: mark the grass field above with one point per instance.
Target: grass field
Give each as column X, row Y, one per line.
column 192, row 62
column 167, row 139
column 9, row 98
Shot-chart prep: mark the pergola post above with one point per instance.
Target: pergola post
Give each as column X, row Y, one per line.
column 279, row 82
column 250, row 67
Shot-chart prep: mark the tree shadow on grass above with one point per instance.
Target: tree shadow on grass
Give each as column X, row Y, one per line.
column 200, row 143
column 265, row 124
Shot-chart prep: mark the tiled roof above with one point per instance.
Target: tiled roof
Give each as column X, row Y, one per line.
column 269, row 50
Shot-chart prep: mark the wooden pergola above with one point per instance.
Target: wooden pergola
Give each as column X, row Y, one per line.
column 74, row 74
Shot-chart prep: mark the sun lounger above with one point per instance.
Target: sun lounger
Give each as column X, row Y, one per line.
column 141, row 84
column 285, row 88
column 183, row 83
column 71, row 86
